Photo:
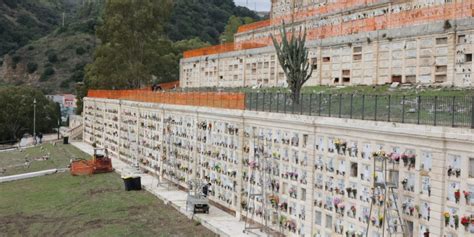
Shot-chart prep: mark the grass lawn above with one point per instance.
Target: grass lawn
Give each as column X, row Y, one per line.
column 360, row 89
column 59, row 157
column 63, row 205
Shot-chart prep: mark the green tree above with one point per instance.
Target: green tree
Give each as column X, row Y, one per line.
column 232, row 26
column 293, row 57
column 31, row 67
column 193, row 43
column 133, row 40
column 47, row 73
column 16, row 112
column 52, row 57
column 166, row 67
column 80, row 50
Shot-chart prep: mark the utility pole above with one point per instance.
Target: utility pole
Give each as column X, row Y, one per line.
column 58, row 106
column 64, row 16
column 34, row 121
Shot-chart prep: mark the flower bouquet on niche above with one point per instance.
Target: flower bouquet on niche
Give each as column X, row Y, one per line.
column 456, row 221
column 457, row 195
column 447, row 216
column 404, row 159
column 353, row 210
column 465, row 221
column 394, row 157
column 467, row 196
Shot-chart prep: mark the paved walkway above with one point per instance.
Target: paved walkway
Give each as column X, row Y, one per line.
column 217, row 220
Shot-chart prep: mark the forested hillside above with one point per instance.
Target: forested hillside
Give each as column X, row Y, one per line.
column 205, row 19
column 48, row 43
column 24, row 20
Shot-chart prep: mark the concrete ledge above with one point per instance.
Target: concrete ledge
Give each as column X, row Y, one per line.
column 31, row 175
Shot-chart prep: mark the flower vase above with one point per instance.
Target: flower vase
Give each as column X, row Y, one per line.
column 405, row 160
column 457, row 195
column 456, row 221
column 467, row 197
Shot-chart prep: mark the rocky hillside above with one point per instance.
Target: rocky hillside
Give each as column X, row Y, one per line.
column 24, row 20
column 54, row 63
column 51, row 47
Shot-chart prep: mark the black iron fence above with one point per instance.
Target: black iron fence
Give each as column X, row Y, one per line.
column 454, row 111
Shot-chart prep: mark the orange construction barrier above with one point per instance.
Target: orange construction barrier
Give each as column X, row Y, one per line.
column 227, row 100
column 254, row 26
column 223, row 48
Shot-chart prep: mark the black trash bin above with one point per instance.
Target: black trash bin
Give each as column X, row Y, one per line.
column 65, row 140
column 132, row 183
column 137, row 183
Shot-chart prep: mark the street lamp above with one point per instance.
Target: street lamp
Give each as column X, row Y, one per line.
column 58, row 107
column 34, row 121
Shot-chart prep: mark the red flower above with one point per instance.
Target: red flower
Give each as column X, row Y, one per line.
column 465, row 220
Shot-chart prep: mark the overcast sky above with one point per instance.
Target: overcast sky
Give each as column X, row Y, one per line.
column 262, row 5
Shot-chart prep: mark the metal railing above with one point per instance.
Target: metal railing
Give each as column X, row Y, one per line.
column 453, row 111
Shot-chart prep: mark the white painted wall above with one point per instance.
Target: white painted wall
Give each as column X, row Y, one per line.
column 162, row 138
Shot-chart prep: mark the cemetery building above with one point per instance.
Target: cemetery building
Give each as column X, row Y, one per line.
column 353, row 42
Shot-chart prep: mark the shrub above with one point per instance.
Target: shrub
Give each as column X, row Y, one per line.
column 27, row 21
column 77, row 76
column 48, row 52
column 53, row 57
column 61, row 30
column 80, row 51
column 16, row 59
column 31, row 67
column 64, row 84
column 31, row 47
column 79, row 66
column 11, row 3
column 47, row 73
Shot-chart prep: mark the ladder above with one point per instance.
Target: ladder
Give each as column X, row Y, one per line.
column 134, row 157
column 258, row 164
column 263, row 165
column 159, row 175
column 170, row 161
column 385, row 201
